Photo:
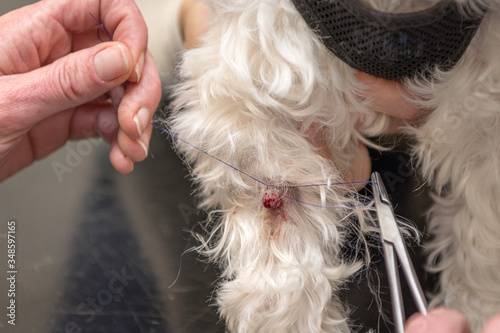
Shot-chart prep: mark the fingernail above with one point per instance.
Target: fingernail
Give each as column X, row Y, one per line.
column 111, row 63
column 141, row 120
column 139, row 66
column 143, row 145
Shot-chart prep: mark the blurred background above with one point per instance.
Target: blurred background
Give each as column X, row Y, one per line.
column 102, row 252
column 8, row 5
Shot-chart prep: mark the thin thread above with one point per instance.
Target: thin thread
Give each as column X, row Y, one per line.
column 326, row 184
column 271, row 185
column 101, row 27
column 330, row 207
column 212, row 156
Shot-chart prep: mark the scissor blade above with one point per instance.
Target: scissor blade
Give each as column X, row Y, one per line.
column 390, row 234
column 391, row 266
column 388, row 227
column 411, row 277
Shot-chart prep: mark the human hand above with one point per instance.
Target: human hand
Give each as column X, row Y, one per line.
column 388, row 97
column 360, row 165
column 443, row 320
column 193, row 20
column 55, row 74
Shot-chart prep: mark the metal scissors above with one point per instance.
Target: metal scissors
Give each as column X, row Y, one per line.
column 392, row 242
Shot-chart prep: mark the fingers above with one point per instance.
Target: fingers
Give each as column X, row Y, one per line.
column 94, row 120
column 143, row 93
column 135, row 114
column 388, row 97
column 493, row 325
column 359, row 172
column 193, row 19
column 314, row 134
column 102, row 120
column 140, row 101
column 121, row 19
column 439, row 320
column 68, row 82
column 125, row 151
column 20, row 157
column 119, row 161
column 360, row 167
column 125, row 23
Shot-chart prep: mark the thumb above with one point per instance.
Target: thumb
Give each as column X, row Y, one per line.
column 72, row 80
column 439, row 320
column 493, row 325
column 360, row 164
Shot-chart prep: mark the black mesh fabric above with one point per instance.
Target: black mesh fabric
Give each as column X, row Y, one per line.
column 391, row 46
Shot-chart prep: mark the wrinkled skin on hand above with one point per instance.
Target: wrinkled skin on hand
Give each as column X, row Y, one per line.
column 55, row 85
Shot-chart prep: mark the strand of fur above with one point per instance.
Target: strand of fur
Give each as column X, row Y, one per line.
column 459, row 152
column 260, row 76
column 258, row 82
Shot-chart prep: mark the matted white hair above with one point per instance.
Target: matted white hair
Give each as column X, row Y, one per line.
column 459, row 152
column 260, row 79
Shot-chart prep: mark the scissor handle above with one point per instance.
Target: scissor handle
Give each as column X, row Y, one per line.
column 393, row 243
column 411, row 278
column 398, row 310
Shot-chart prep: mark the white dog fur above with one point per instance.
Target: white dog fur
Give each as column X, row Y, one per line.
column 248, row 95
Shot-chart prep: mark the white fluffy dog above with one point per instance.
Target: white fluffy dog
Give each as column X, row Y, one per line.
column 250, row 95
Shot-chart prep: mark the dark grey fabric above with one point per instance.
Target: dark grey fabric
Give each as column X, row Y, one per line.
column 391, row 46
